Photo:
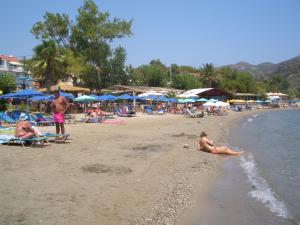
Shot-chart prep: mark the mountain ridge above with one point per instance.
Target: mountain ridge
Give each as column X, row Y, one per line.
column 288, row 69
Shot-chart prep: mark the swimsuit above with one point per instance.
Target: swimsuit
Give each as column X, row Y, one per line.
column 58, row 118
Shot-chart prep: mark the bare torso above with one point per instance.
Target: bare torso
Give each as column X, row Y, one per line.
column 22, row 128
column 59, row 105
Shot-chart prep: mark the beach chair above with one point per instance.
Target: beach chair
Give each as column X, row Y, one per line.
column 121, row 113
column 7, row 119
column 57, row 138
column 35, row 141
column 44, row 120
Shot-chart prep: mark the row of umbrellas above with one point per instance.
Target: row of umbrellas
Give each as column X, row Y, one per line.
column 32, row 95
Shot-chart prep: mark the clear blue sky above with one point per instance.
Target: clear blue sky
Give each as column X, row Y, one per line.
column 185, row 32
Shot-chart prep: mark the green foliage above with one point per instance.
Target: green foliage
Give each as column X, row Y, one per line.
column 55, row 27
column 155, row 75
column 235, row 81
column 48, row 63
column 7, row 82
column 186, row 81
column 83, row 47
column 208, row 73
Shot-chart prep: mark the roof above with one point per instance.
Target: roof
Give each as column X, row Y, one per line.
column 65, row 87
column 276, row 94
column 197, row 91
column 245, row 94
column 9, row 58
column 209, row 91
column 143, row 89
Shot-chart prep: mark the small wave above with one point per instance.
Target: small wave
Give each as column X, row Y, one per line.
column 262, row 191
column 250, row 119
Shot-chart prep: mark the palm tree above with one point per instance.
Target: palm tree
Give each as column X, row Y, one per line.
column 45, row 62
column 209, row 74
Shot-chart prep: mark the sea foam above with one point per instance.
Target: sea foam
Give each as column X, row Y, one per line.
column 261, row 190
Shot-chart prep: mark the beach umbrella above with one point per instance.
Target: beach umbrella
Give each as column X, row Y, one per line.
column 26, row 93
column 202, row 100
column 108, row 97
column 125, row 97
column 149, row 97
column 41, row 98
column 84, row 98
column 172, row 100
column 208, row 104
column 212, row 100
column 162, row 99
column 221, row 104
column 9, row 95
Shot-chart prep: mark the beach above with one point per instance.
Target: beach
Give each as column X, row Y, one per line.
column 145, row 171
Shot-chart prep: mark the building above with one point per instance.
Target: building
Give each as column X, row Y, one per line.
column 12, row 65
column 207, row 93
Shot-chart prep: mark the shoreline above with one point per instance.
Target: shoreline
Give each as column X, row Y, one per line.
column 136, row 173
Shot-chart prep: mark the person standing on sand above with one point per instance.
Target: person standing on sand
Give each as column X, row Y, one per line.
column 206, row 145
column 59, row 107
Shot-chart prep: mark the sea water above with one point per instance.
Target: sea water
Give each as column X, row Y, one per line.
column 271, row 163
column 263, row 185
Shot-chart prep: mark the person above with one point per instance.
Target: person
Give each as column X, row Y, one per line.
column 24, row 129
column 207, row 145
column 59, row 106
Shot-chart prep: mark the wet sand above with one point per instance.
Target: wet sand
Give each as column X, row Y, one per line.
column 135, row 173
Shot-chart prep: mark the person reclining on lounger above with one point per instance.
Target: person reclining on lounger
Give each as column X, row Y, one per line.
column 207, row 145
column 24, row 129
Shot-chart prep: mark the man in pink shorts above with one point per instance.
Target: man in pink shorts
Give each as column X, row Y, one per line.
column 59, row 106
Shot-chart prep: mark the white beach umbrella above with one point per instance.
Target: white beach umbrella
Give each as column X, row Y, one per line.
column 208, row 104
column 221, row 104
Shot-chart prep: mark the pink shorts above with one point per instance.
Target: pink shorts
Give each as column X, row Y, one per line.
column 58, row 118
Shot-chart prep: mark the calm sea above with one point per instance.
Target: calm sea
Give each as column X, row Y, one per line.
column 263, row 186
column 272, row 162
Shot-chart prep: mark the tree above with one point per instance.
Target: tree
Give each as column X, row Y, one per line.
column 7, row 82
column 208, row 73
column 47, row 63
column 91, row 35
column 186, row 81
column 89, row 39
column 235, row 81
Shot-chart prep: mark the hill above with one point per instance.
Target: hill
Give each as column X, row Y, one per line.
column 289, row 69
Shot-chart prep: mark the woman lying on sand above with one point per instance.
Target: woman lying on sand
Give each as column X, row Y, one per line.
column 207, row 145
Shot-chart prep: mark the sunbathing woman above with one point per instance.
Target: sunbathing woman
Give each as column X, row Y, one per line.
column 207, row 145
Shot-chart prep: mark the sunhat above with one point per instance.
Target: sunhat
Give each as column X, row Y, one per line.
column 23, row 116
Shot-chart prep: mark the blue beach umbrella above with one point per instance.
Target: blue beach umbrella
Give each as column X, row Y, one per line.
column 125, row 97
column 172, row 100
column 162, row 99
column 26, row 93
column 107, row 98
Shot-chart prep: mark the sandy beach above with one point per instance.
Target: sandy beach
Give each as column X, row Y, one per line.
column 139, row 172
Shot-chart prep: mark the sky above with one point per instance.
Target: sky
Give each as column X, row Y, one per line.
column 182, row 32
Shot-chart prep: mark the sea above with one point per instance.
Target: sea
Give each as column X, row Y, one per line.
column 263, row 185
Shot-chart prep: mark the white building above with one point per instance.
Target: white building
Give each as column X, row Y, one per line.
column 12, row 65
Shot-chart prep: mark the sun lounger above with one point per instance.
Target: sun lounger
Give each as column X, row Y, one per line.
column 7, row 119
column 57, row 138
column 35, row 141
